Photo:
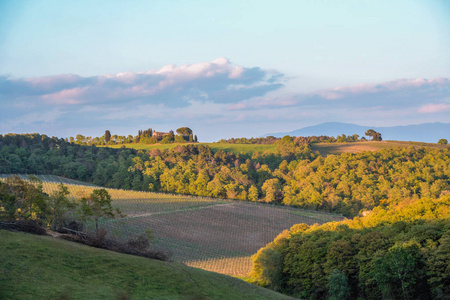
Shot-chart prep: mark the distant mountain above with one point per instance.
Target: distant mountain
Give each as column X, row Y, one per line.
column 427, row 132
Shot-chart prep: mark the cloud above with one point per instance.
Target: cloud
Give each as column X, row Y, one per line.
column 402, row 93
column 218, row 81
column 215, row 99
column 434, row 108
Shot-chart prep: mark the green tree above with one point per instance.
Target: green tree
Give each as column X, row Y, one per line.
column 267, row 268
column 98, row 205
column 80, row 139
column 184, row 131
column 376, row 136
column 168, row 138
column 341, row 138
column 272, row 190
column 338, row 288
column 443, row 142
column 400, row 272
column 107, row 136
column 29, row 200
column 7, row 203
column 59, row 204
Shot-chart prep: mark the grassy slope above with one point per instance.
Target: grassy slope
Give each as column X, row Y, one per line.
column 42, row 267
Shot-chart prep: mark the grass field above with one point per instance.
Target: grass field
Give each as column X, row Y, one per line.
column 235, row 148
column 41, row 267
column 213, row 234
column 339, row 148
column 323, row 148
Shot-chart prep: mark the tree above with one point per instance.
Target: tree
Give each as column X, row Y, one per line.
column 28, row 201
column 272, row 190
column 253, row 193
column 107, row 136
column 376, row 136
column 400, row 273
column 168, row 138
column 7, row 203
column 59, row 204
column 443, row 142
column 184, row 131
column 98, row 205
column 80, row 139
column 267, row 268
column 370, row 133
column 338, row 288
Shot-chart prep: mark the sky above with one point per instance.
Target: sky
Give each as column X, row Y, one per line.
column 223, row 68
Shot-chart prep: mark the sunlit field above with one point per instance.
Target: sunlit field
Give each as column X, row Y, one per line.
column 213, row 234
column 339, row 148
column 235, row 148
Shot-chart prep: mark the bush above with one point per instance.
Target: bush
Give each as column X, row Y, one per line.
column 29, row 226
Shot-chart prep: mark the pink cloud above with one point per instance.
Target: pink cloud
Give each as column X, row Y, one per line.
column 389, row 86
column 218, row 81
column 64, row 97
column 434, row 108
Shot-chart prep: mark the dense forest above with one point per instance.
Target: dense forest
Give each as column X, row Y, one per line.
column 293, row 175
column 399, row 252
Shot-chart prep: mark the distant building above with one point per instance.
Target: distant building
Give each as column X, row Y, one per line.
column 159, row 135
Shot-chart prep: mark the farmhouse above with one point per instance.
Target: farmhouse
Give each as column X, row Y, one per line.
column 159, row 135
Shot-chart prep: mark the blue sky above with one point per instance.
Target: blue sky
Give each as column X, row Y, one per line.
column 223, row 68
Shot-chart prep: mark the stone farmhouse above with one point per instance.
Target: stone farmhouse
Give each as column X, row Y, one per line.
column 159, row 135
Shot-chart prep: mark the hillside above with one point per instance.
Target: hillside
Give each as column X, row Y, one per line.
column 42, row 267
column 428, row 132
column 212, row 234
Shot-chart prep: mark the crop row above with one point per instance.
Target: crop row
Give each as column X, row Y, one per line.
column 212, row 234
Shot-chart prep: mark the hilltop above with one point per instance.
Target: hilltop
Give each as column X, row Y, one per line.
column 42, row 267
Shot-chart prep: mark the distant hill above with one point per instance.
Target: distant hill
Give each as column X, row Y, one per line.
column 427, row 132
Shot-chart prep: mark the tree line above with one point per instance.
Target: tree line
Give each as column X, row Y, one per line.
column 148, row 136
column 371, row 134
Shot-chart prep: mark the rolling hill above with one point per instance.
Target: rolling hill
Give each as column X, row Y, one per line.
column 213, row 234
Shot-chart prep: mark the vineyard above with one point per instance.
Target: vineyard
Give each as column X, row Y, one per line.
column 212, row 234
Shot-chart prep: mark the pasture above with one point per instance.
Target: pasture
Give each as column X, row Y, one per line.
column 234, row 148
column 213, row 234
column 42, row 267
column 356, row 147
